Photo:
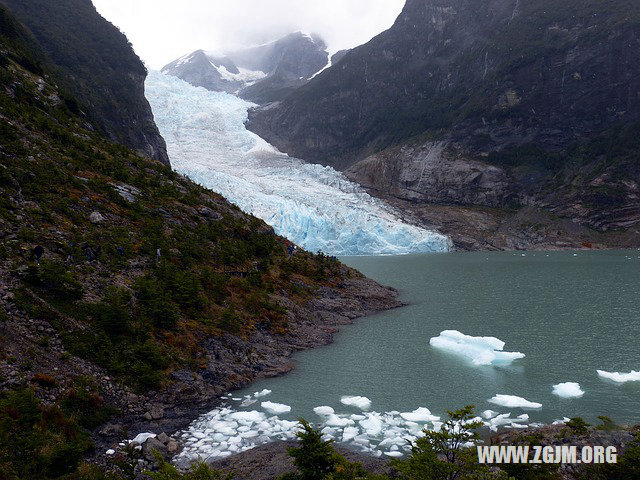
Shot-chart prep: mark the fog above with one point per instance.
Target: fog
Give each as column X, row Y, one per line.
column 162, row 30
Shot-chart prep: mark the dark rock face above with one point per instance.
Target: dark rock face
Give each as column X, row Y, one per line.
column 508, row 71
column 262, row 74
column 499, row 104
column 97, row 65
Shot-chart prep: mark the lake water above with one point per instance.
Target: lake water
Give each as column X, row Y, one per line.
column 569, row 313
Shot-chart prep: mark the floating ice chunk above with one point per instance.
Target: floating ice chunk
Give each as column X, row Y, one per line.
column 262, row 393
column 618, row 377
column 511, row 401
column 350, row 433
column 372, row 424
column 275, row 408
column 568, row 390
column 558, row 422
column 393, row 454
column 480, row 350
column 324, row 411
column 363, row 403
column 248, row 402
column 247, row 417
column 489, row 414
column 111, row 451
column 420, row 415
column 143, row 437
column 336, row 421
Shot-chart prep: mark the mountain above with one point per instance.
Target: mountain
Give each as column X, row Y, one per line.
column 130, row 297
column 96, row 64
column 261, row 74
column 490, row 104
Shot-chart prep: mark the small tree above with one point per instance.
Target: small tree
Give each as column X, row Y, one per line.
column 442, row 455
column 316, row 459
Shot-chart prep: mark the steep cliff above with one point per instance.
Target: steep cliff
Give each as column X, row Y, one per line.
column 491, row 104
column 96, row 64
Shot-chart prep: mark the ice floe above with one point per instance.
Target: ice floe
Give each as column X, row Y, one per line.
column 275, row 408
column 480, row 350
column 363, row 403
column 568, row 390
column 324, row 411
column 512, row 401
column 618, row 377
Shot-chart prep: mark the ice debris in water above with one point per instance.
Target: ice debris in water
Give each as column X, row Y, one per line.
column 314, row 206
column 480, row 350
column 568, row 390
column 618, row 377
column 226, row 431
column 511, row 401
column 363, row 403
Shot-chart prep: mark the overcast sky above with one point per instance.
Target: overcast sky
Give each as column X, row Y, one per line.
column 163, row 30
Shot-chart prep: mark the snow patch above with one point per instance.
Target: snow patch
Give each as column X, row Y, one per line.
column 480, row 350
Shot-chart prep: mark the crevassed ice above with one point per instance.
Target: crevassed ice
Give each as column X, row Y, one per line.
column 480, row 350
column 314, row 206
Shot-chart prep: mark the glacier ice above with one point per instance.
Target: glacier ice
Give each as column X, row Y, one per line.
column 313, row 206
column 512, row 401
column 480, row 350
column 568, row 390
column 618, row 377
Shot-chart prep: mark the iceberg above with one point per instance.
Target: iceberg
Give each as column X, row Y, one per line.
column 618, row 377
column 275, row 408
column 363, row 403
column 480, row 350
column 511, row 401
column 314, row 206
column 568, row 390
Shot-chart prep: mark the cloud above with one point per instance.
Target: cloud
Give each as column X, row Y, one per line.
column 162, row 30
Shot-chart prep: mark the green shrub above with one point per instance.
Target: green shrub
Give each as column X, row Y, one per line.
column 55, row 279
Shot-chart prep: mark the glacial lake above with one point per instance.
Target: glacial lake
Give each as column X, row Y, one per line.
column 569, row 313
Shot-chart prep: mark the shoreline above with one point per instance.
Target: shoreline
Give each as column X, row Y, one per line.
column 311, row 326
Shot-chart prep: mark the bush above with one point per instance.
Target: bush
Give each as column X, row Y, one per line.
column 53, row 277
column 38, row 442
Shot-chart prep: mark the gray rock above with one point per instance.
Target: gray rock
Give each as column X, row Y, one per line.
column 96, row 217
column 153, row 445
column 155, row 413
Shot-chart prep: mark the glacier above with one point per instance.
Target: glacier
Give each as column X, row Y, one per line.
column 316, row 207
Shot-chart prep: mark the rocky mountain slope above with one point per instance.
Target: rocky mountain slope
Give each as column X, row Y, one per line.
column 506, row 124
column 260, row 74
column 128, row 292
column 96, row 65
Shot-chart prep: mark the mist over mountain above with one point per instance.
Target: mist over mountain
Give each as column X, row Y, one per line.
column 262, row 74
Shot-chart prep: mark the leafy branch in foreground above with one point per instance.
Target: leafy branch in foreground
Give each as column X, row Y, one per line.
column 443, row 454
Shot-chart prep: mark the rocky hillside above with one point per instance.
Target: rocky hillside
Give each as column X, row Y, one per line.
column 94, row 62
column 261, row 74
column 506, row 124
column 128, row 292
